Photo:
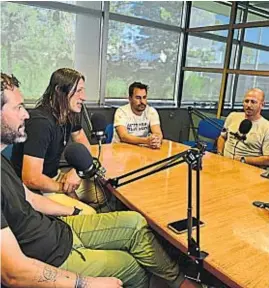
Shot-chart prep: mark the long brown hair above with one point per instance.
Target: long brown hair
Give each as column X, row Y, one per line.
column 63, row 82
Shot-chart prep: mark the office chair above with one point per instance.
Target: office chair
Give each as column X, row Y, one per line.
column 207, row 130
column 109, row 133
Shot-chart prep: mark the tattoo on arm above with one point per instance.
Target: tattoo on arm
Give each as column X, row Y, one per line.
column 49, row 274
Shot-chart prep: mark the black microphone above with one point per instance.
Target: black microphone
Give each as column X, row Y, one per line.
column 243, row 130
column 98, row 126
column 260, row 204
column 79, row 157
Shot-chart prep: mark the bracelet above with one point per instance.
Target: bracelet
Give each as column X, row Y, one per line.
column 61, row 187
column 80, row 282
column 220, row 153
column 76, row 211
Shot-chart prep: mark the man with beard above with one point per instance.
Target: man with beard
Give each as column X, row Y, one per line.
column 136, row 122
column 31, row 242
column 255, row 149
column 52, row 124
column 46, row 244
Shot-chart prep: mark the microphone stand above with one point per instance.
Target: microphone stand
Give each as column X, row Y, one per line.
column 193, row 157
column 86, row 117
column 97, row 134
column 203, row 117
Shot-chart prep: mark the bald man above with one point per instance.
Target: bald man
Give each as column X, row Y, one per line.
column 255, row 149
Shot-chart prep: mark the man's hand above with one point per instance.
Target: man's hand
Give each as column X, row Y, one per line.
column 71, row 182
column 155, row 141
column 100, row 282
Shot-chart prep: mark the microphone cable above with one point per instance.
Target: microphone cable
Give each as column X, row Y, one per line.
column 99, row 149
column 86, row 117
column 235, row 146
column 99, row 183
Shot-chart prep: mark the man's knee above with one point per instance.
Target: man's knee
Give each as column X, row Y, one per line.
column 135, row 219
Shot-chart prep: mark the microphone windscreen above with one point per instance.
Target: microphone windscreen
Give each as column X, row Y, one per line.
column 78, row 156
column 98, row 122
column 245, row 126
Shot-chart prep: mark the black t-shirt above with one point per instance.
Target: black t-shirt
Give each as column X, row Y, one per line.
column 42, row 237
column 45, row 139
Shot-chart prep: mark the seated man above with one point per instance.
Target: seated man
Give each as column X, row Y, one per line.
column 255, row 149
column 41, row 250
column 52, row 122
column 136, row 122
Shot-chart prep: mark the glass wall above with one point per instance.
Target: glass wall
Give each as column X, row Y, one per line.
column 206, row 68
column 143, row 47
column 180, row 55
column 37, row 40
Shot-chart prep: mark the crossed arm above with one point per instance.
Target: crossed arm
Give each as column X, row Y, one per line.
column 153, row 141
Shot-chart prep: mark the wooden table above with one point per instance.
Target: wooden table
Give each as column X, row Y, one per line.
column 236, row 234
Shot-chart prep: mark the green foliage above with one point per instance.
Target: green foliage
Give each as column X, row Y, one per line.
column 35, row 42
column 134, row 51
column 117, row 88
column 201, row 87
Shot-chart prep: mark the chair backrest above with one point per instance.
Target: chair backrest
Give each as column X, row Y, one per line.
column 109, row 133
column 208, row 130
column 7, row 152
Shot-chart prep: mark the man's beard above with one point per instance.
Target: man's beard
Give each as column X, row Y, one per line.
column 10, row 136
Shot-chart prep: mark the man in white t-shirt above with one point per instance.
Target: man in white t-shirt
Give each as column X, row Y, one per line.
column 254, row 149
column 136, row 122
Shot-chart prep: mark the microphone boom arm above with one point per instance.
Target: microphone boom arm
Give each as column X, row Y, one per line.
column 204, row 117
column 193, row 157
column 115, row 181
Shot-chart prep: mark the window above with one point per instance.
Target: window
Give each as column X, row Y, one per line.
column 254, row 59
column 166, row 12
column 207, row 13
column 258, row 35
column 143, row 52
column 246, row 82
column 137, row 53
column 205, row 53
column 201, row 87
column 253, row 17
column 114, row 43
column 37, row 41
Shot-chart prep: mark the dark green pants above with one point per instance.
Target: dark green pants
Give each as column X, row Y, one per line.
column 118, row 244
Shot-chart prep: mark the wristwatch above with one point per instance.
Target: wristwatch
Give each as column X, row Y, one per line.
column 76, row 211
column 243, row 160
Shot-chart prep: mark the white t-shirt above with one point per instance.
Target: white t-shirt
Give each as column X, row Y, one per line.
column 257, row 142
column 136, row 125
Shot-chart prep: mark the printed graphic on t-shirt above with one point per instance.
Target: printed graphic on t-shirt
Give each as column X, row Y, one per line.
column 137, row 127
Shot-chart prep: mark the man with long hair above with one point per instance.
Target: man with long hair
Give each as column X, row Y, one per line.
column 55, row 119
